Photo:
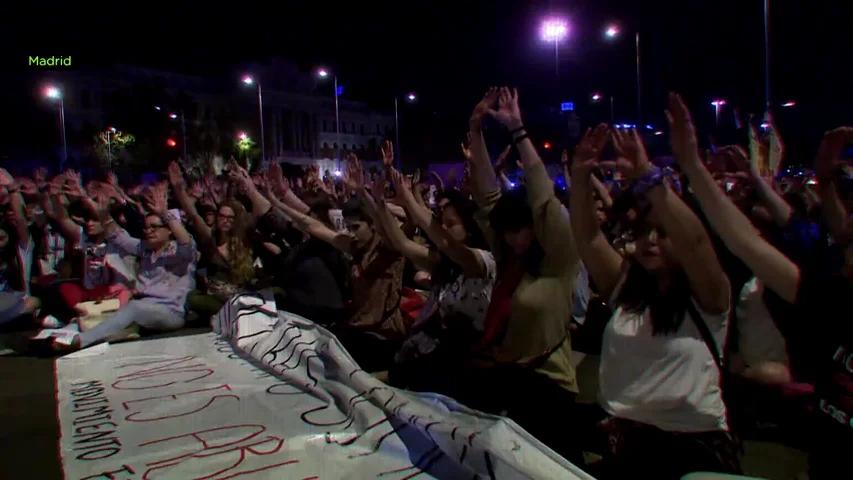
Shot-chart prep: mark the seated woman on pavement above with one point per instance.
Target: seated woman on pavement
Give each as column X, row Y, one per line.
column 105, row 273
column 16, row 248
column 166, row 272
column 226, row 254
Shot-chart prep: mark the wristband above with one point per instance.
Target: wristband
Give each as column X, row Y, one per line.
column 652, row 178
column 516, row 130
column 167, row 218
column 44, row 188
column 520, row 138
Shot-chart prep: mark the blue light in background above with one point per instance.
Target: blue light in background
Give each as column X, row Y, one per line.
column 567, row 107
column 649, row 127
column 340, row 90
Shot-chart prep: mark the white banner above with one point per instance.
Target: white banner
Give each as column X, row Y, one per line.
column 275, row 396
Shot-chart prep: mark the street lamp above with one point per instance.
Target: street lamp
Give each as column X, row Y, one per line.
column 611, row 32
column 411, row 97
column 110, row 132
column 554, row 30
column 248, row 80
column 56, row 94
column 718, row 105
column 323, row 73
column 243, row 136
column 789, row 104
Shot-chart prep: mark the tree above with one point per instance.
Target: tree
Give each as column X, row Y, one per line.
column 111, row 146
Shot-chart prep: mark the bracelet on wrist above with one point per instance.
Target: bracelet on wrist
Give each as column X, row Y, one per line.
column 517, row 130
column 520, row 138
column 167, row 218
column 649, row 180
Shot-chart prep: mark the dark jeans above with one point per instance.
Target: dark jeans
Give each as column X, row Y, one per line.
column 640, row 450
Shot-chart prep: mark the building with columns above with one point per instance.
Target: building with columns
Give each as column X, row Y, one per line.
column 298, row 109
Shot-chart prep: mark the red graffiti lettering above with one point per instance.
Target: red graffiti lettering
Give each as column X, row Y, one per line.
column 134, row 416
column 95, row 427
column 208, row 443
column 268, row 446
column 111, row 475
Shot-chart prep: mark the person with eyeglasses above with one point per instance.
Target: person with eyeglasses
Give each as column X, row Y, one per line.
column 166, row 274
column 227, row 259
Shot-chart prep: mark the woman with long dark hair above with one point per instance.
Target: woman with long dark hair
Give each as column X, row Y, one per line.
column 659, row 374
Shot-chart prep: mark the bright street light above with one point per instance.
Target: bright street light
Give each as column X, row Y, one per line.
column 112, row 129
column 243, row 136
column 173, row 116
column 248, row 80
column 56, row 94
column 157, row 108
column 596, row 97
column 612, row 31
column 338, row 173
column 412, row 97
column 554, row 30
column 789, row 104
column 323, row 73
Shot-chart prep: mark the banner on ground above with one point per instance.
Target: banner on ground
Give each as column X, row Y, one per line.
column 271, row 395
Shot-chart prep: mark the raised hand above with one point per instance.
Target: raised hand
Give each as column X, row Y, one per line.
column 588, row 151
column 354, row 174
column 387, row 154
column 40, row 176
column 829, row 154
column 27, row 186
column 481, row 109
column 402, row 186
column 176, row 177
column 631, row 157
column 508, row 112
column 685, row 147
column 73, row 185
column 6, row 180
column 155, row 201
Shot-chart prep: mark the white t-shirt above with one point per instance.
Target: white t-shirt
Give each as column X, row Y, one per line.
column 669, row 381
column 102, row 263
column 24, row 259
column 470, row 296
column 54, row 252
column 758, row 337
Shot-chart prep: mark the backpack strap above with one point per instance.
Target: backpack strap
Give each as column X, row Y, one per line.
column 707, row 336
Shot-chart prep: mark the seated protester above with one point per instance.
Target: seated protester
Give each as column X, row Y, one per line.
column 105, row 274
column 462, row 275
column 16, row 252
column 526, row 341
column 165, row 276
column 226, row 254
column 658, row 376
column 374, row 328
column 310, row 279
column 762, row 354
column 818, row 292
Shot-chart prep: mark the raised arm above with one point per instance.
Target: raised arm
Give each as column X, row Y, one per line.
column 691, row 245
column 203, row 233
column 484, row 183
column 550, row 225
column 155, row 202
column 420, row 255
column 459, row 253
column 601, row 260
column 739, row 235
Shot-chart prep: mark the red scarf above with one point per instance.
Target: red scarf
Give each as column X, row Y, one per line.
column 500, row 305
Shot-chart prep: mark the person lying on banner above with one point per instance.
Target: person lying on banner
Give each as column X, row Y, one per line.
column 818, row 291
column 105, row 274
column 166, row 274
column 16, row 255
column 659, row 380
column 226, row 251
column 374, row 329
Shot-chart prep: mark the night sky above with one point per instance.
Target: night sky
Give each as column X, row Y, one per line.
column 449, row 52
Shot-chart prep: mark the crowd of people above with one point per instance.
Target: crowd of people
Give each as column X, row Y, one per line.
column 705, row 295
